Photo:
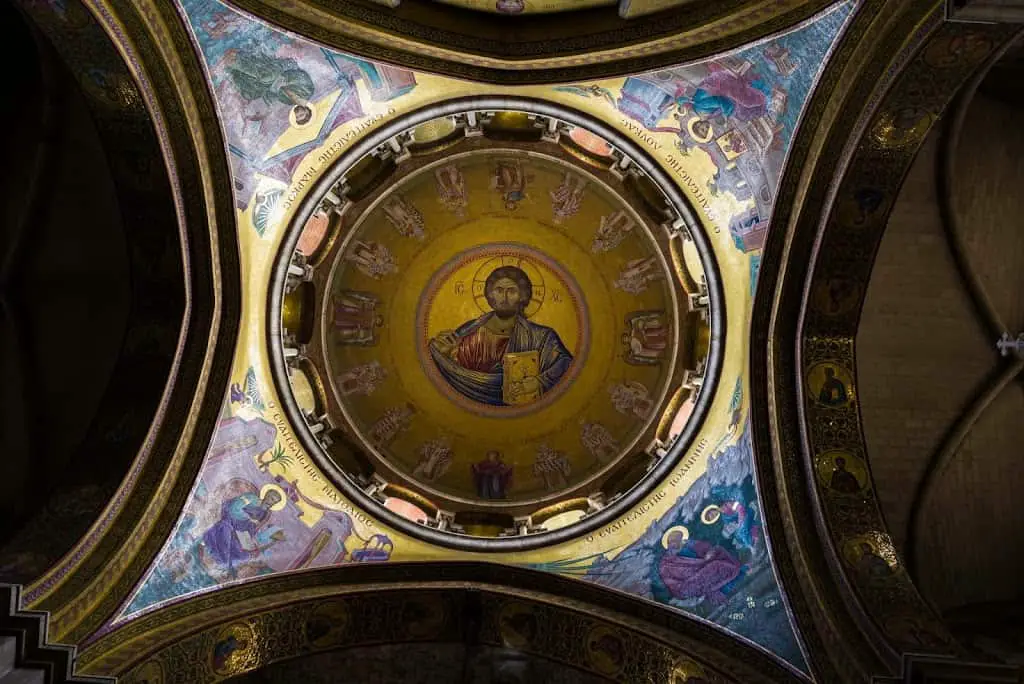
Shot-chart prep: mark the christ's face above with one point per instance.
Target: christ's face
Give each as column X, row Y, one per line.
column 505, row 298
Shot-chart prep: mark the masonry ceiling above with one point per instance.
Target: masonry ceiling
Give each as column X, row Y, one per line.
column 949, row 270
column 543, row 340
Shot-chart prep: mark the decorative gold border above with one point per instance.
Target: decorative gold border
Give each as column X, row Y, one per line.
column 658, row 639
column 87, row 587
column 867, row 61
column 880, row 163
column 814, row 237
column 466, row 44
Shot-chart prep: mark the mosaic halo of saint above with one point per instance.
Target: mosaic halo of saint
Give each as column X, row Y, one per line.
column 501, row 358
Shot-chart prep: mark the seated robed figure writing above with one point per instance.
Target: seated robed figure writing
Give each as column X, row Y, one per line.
column 501, row 358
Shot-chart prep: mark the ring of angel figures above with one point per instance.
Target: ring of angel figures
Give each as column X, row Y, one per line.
column 498, row 332
column 463, row 363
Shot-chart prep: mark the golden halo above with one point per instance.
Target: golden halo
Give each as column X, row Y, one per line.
column 677, row 528
column 697, row 138
column 710, row 515
column 269, row 487
column 519, row 261
column 294, row 121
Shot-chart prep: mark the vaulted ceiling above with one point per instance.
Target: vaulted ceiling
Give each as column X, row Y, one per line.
column 940, row 402
column 642, row 341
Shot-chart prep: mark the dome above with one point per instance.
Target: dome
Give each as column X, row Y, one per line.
column 494, row 325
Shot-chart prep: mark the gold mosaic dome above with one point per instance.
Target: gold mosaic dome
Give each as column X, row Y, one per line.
column 495, row 325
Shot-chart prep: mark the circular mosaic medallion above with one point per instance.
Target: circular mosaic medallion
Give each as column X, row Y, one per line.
column 150, row 672
column 605, row 650
column 517, row 625
column 842, row 473
column 510, row 369
column 830, row 385
column 499, row 329
column 234, row 650
column 327, row 625
column 526, row 342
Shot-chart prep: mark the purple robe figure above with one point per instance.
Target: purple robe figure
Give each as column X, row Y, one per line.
column 243, row 513
column 492, row 477
column 723, row 93
column 692, row 568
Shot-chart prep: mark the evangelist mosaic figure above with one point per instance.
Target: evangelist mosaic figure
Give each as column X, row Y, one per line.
column 501, row 358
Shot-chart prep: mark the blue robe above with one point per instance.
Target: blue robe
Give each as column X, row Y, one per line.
column 244, row 513
column 486, row 387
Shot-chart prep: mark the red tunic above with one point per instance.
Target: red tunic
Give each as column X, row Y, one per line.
column 481, row 350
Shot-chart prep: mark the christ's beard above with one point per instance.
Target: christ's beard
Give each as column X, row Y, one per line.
column 506, row 313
